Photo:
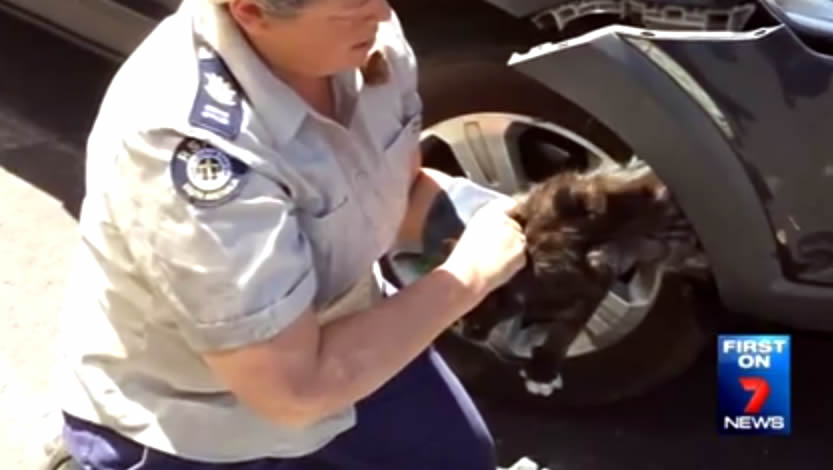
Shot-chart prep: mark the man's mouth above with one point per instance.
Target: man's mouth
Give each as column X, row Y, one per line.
column 364, row 45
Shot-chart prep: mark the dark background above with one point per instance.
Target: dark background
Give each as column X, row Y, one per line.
column 49, row 95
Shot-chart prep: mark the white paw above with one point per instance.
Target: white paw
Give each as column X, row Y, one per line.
column 542, row 389
column 524, row 464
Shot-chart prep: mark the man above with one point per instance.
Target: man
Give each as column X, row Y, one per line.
column 251, row 162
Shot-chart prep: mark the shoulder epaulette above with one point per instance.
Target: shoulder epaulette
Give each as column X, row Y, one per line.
column 218, row 106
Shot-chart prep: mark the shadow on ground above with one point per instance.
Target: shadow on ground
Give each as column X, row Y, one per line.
column 48, row 101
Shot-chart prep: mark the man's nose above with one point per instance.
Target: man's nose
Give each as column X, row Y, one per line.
column 381, row 10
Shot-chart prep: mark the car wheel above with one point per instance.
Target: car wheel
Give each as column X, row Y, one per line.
column 503, row 130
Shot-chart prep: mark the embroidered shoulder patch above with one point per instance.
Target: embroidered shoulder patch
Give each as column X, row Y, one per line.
column 205, row 175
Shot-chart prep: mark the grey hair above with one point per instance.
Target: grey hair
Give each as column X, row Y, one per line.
column 280, row 8
column 283, row 8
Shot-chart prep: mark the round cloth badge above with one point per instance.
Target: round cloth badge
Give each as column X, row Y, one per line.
column 206, row 176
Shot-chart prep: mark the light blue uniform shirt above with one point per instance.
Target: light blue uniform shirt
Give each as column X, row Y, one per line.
column 219, row 208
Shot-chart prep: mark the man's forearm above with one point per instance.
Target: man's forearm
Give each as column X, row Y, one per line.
column 359, row 353
column 311, row 371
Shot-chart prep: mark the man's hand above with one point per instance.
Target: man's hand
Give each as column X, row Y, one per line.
column 491, row 249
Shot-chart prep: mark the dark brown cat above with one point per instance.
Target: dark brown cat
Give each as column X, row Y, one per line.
column 582, row 232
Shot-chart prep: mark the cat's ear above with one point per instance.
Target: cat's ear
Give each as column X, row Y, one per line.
column 641, row 180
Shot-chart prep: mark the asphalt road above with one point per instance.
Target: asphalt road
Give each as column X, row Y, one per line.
column 49, row 94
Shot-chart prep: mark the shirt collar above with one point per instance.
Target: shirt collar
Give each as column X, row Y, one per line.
column 282, row 110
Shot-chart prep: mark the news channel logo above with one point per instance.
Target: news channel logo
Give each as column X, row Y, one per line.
column 753, row 376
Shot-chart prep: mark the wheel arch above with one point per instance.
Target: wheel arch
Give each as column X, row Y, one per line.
column 521, row 8
column 667, row 128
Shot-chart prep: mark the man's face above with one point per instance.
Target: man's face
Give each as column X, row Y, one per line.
column 325, row 37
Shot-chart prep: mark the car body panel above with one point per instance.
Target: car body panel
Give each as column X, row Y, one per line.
column 110, row 27
column 531, row 8
column 636, row 82
column 776, row 96
column 522, row 8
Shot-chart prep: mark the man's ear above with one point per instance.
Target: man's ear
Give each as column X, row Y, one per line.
column 248, row 14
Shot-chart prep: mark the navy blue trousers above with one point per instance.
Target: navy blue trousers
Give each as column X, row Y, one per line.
column 422, row 419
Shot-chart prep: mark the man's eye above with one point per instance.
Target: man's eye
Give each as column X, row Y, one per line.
column 344, row 20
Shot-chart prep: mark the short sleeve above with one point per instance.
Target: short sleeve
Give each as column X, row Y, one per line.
column 218, row 242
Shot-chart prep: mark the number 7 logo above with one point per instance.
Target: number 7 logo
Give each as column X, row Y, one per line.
column 760, row 392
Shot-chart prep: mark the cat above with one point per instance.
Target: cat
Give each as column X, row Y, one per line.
column 582, row 232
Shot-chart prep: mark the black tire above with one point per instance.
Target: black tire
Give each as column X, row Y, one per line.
column 664, row 345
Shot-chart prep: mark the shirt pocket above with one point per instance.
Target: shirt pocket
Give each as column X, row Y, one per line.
column 398, row 163
column 399, row 152
column 336, row 251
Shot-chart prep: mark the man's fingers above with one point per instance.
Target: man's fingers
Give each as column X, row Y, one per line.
column 515, row 225
column 504, row 204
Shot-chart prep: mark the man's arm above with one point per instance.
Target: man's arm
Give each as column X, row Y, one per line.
column 308, row 372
